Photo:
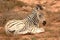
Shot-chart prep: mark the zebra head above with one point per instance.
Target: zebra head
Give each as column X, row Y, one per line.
column 38, row 10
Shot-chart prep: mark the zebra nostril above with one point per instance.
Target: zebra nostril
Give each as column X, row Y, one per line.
column 44, row 23
column 11, row 31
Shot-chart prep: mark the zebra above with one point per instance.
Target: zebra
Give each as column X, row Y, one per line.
column 30, row 24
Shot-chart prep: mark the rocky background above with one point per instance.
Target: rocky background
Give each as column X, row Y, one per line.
column 19, row 9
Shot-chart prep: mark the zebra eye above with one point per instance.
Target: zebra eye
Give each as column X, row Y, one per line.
column 39, row 15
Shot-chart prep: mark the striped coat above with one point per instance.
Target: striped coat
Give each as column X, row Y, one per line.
column 28, row 25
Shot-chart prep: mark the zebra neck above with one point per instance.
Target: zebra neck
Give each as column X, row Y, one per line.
column 32, row 18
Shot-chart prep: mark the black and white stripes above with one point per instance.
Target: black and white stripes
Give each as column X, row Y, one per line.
column 28, row 25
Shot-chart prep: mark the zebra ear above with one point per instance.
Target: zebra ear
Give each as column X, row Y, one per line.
column 39, row 7
column 36, row 8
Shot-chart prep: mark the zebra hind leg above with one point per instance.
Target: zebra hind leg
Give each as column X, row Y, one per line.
column 22, row 32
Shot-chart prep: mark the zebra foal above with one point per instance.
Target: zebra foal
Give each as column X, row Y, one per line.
column 28, row 25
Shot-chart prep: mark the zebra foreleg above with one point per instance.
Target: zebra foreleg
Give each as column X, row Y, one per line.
column 37, row 30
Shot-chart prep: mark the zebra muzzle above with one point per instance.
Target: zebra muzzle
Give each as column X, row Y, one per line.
column 44, row 23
